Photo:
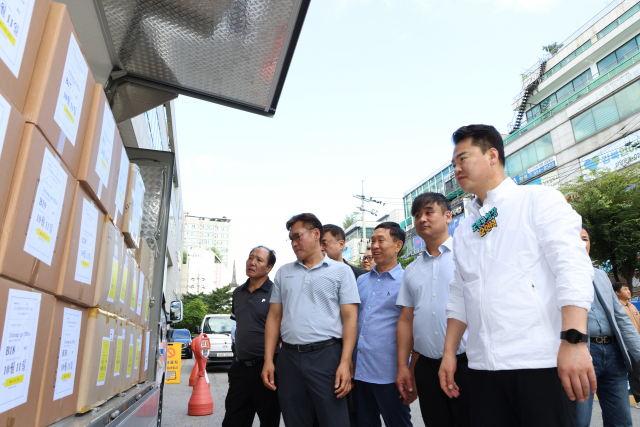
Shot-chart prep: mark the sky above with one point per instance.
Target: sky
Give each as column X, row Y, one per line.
column 373, row 94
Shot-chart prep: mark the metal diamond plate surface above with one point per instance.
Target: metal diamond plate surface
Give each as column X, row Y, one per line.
column 226, row 48
column 154, row 181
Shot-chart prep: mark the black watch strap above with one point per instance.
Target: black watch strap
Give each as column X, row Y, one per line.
column 574, row 336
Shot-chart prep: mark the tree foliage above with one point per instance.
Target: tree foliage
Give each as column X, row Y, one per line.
column 609, row 203
column 193, row 312
column 218, row 254
column 552, row 48
column 350, row 219
column 217, row 301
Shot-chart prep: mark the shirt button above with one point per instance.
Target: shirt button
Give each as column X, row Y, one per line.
column 374, row 293
column 434, row 295
column 434, row 277
column 440, row 353
column 436, row 263
column 364, row 321
column 369, row 306
column 358, row 351
column 433, row 313
column 360, row 336
column 378, row 280
column 436, row 333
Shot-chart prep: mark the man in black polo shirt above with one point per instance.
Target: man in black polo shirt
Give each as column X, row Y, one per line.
column 247, row 395
column 333, row 244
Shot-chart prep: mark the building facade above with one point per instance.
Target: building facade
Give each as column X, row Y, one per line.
column 206, row 233
column 355, row 245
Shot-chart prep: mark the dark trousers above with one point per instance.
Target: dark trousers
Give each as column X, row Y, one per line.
column 247, row 396
column 519, row 398
column 634, row 380
column 437, row 408
column 306, row 382
column 373, row 400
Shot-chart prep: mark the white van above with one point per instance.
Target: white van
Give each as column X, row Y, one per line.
column 218, row 329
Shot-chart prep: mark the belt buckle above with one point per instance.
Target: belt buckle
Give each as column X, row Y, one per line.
column 606, row 340
column 600, row 340
column 298, row 348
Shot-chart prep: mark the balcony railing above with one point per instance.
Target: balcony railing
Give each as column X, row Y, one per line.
column 596, row 81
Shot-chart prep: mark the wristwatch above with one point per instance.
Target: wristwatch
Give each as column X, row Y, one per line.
column 574, row 336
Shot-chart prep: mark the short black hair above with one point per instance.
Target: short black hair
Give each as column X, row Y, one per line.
column 394, row 229
column 483, row 136
column 335, row 231
column 430, row 199
column 272, row 255
column 309, row 219
column 618, row 285
column 587, row 230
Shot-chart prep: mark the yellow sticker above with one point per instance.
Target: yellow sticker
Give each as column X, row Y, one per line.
column 133, row 294
column 104, row 165
column 44, row 235
column 138, row 354
column 104, row 359
column 130, row 360
column 119, row 346
column 66, row 110
column 7, row 33
column 66, row 376
column 85, row 264
column 123, row 290
column 13, row 381
column 114, row 280
column 120, row 195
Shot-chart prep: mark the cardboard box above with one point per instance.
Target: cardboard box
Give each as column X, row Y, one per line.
column 120, row 362
column 119, row 182
column 59, row 97
column 133, row 293
column 98, row 361
column 110, row 269
column 27, row 315
column 139, row 332
column 124, row 292
column 61, row 379
column 144, row 320
column 79, row 272
column 97, row 164
column 144, row 355
column 143, row 257
column 133, row 207
column 130, row 373
column 11, row 129
column 18, row 57
column 37, row 215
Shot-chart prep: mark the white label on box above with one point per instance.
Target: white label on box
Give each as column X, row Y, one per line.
column 104, row 360
column 5, row 110
column 105, row 150
column 116, row 369
column 141, row 288
column 130, row 358
column 87, row 242
column 71, row 96
column 68, row 356
column 146, row 351
column 15, row 19
column 18, row 345
column 47, row 208
column 123, row 175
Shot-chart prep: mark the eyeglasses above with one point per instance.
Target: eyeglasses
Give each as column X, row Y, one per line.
column 296, row 237
column 368, row 258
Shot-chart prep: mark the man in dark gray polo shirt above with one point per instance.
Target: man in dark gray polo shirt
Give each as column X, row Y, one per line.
column 333, row 244
column 247, row 395
column 314, row 306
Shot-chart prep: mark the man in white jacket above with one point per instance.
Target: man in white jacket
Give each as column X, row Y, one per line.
column 522, row 282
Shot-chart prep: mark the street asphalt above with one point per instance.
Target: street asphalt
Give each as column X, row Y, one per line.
column 176, row 403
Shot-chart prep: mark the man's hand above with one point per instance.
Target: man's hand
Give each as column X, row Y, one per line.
column 268, row 375
column 343, row 380
column 404, row 382
column 448, row 368
column 575, row 370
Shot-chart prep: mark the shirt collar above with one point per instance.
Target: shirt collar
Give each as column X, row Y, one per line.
column 448, row 245
column 503, row 190
column 393, row 272
column 325, row 261
column 266, row 286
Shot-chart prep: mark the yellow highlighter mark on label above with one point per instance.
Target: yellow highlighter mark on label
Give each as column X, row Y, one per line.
column 43, row 235
column 114, row 280
column 138, row 354
column 130, row 357
column 118, row 352
column 104, row 358
column 123, row 290
column 85, row 264
column 65, row 376
column 13, row 381
column 7, row 33
column 133, row 295
column 104, row 165
column 66, row 110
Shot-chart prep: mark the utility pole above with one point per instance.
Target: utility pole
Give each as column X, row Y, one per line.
column 363, row 243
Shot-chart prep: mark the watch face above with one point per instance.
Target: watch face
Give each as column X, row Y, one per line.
column 573, row 336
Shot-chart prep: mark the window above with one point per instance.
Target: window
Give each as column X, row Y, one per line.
column 560, row 95
column 154, row 129
column 534, row 153
column 619, row 55
column 607, row 112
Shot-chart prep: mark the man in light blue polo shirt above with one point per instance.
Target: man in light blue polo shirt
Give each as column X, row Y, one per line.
column 422, row 325
column 375, row 393
column 314, row 307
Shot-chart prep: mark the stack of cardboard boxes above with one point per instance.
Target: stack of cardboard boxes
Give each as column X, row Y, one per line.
column 74, row 271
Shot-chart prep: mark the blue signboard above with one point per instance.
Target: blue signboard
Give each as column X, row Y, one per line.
column 536, row 170
column 635, row 301
column 347, row 255
column 455, row 222
column 418, row 244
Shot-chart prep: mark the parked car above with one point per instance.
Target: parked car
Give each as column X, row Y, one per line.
column 218, row 329
column 183, row 336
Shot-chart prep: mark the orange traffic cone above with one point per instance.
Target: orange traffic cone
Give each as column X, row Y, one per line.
column 194, row 374
column 201, row 402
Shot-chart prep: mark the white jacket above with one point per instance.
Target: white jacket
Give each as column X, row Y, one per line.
column 509, row 285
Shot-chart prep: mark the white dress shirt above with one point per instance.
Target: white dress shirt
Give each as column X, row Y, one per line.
column 509, row 286
column 425, row 287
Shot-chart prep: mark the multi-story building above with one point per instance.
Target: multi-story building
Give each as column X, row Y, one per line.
column 206, row 233
column 355, row 245
column 156, row 130
column 579, row 108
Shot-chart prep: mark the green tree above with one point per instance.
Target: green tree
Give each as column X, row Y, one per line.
column 552, row 48
column 350, row 219
column 405, row 261
column 217, row 301
column 193, row 312
column 356, row 261
column 217, row 252
column 609, row 203
column 184, row 257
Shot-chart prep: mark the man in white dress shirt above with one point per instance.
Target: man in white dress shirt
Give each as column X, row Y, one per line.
column 522, row 282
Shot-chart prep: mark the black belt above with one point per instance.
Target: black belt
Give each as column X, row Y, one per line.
column 462, row 358
column 305, row 348
column 252, row 362
column 603, row 340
